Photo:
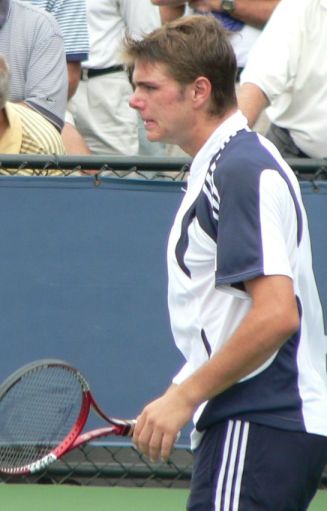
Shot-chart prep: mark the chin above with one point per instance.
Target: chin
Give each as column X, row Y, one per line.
column 152, row 137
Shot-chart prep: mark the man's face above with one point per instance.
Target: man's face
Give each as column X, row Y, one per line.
column 164, row 105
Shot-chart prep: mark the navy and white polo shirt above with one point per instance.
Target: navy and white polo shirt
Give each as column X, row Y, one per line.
column 242, row 217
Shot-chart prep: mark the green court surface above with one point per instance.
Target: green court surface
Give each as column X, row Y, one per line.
column 70, row 498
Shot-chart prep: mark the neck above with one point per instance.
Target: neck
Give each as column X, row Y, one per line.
column 202, row 131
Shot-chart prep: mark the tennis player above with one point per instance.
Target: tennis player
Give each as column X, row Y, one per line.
column 243, row 302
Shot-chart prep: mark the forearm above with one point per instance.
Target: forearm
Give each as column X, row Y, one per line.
column 259, row 336
column 227, row 367
column 251, row 101
column 252, row 12
column 169, row 3
column 73, row 141
column 74, row 75
column 171, row 13
column 273, row 317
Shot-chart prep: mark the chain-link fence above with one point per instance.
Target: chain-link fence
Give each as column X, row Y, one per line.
column 96, row 166
column 174, row 169
column 105, row 464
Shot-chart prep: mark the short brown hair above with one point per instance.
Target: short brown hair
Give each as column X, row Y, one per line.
column 190, row 47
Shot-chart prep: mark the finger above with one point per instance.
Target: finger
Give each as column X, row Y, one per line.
column 137, row 428
column 154, row 451
column 167, row 445
column 142, row 438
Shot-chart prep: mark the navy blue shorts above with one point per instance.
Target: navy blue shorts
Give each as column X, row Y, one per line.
column 241, row 466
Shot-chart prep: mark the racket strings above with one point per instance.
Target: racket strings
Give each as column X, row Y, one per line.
column 36, row 414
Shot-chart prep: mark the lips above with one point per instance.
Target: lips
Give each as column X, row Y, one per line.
column 148, row 123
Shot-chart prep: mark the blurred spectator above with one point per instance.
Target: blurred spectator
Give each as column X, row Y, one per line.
column 244, row 18
column 31, row 41
column 23, row 130
column 287, row 71
column 71, row 18
column 100, row 105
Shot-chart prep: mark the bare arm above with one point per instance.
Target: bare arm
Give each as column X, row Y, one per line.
column 170, row 9
column 251, row 101
column 252, row 12
column 171, row 13
column 73, row 141
column 271, row 320
column 74, row 75
column 198, row 5
column 170, row 3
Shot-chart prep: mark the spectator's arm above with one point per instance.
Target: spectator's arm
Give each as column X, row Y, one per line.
column 170, row 3
column 171, row 13
column 252, row 12
column 251, row 101
column 74, row 75
column 72, row 20
column 73, row 141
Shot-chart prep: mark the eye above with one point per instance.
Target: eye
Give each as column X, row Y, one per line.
column 149, row 87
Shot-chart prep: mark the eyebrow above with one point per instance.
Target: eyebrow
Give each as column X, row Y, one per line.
column 141, row 83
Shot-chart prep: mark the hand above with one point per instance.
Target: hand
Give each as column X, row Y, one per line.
column 159, row 424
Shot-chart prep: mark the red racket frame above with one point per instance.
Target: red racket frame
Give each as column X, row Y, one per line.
column 74, row 438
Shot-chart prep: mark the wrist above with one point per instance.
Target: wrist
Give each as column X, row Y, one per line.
column 189, row 394
column 228, row 6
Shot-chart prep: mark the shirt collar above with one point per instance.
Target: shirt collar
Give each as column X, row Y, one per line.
column 4, row 9
column 222, row 134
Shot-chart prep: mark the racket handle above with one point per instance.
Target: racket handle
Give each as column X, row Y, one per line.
column 132, row 424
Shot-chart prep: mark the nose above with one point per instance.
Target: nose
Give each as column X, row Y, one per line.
column 135, row 101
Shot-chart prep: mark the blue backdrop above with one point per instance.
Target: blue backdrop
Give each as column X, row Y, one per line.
column 83, row 278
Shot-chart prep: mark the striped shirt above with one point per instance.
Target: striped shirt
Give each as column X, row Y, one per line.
column 29, row 133
column 32, row 44
column 71, row 18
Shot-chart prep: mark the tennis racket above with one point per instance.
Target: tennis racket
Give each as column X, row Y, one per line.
column 43, row 408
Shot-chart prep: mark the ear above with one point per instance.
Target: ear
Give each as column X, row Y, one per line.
column 201, row 91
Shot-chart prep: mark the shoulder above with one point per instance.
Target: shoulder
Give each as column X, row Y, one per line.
column 24, row 12
column 244, row 156
column 63, row 8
